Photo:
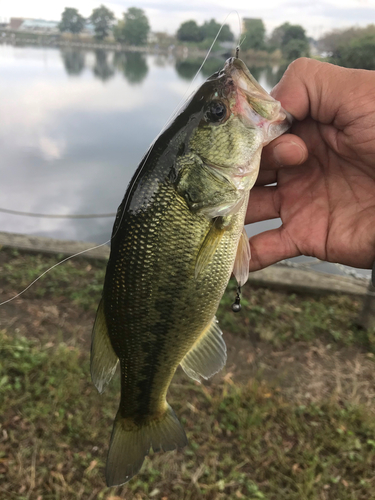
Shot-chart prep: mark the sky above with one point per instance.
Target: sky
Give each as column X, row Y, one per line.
column 317, row 17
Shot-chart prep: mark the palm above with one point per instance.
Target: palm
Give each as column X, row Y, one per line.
column 327, row 205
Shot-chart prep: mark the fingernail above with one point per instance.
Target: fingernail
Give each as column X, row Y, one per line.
column 289, row 153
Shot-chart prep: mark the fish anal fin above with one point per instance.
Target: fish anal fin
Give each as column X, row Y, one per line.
column 209, row 246
column 103, row 358
column 207, row 356
column 131, row 443
column 243, row 256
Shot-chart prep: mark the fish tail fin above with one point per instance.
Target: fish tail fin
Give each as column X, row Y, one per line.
column 130, row 443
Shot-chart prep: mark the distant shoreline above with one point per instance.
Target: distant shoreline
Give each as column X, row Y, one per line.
column 178, row 50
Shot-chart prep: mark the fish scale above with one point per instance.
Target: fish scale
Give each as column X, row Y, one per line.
column 162, row 310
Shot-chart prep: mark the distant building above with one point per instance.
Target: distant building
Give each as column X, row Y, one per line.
column 39, row 25
column 43, row 26
column 15, row 22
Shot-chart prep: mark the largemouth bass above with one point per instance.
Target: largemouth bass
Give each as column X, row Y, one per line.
column 178, row 235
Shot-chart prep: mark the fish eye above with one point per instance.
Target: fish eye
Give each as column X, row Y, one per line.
column 216, row 111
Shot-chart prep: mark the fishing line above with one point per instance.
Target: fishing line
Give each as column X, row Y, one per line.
column 174, row 113
column 239, row 43
column 53, row 267
column 56, row 216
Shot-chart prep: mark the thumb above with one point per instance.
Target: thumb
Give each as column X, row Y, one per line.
column 310, row 87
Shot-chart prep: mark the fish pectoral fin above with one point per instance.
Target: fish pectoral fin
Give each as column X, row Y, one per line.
column 103, row 358
column 208, row 355
column 243, row 256
column 209, row 246
column 130, row 443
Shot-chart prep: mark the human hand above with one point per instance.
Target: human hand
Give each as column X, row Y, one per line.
column 324, row 173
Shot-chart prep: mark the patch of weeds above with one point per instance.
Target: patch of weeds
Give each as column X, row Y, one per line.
column 246, row 441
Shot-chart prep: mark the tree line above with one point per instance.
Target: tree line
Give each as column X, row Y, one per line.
column 133, row 29
column 291, row 39
column 353, row 47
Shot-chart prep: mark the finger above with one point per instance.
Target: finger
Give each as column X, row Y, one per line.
column 270, row 247
column 266, row 177
column 310, row 87
column 287, row 149
column 263, row 205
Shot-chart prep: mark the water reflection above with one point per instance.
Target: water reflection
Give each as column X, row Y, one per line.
column 74, row 61
column 132, row 65
column 273, row 74
column 187, row 68
column 70, row 146
column 268, row 76
column 103, row 69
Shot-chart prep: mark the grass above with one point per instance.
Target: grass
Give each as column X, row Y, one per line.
column 282, row 318
column 251, row 439
column 80, row 281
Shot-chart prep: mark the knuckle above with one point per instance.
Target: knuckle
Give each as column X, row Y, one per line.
column 299, row 65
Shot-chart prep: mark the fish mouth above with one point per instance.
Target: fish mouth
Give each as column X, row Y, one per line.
column 253, row 104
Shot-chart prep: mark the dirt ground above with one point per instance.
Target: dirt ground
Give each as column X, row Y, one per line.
column 303, row 371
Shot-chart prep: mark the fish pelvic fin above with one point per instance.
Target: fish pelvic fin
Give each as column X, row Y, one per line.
column 243, row 256
column 130, row 443
column 208, row 355
column 103, row 358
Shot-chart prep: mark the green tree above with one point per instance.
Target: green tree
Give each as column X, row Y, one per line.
column 72, row 21
column 295, row 48
column 359, row 53
column 255, row 33
column 211, row 28
column 291, row 39
column 293, row 32
column 133, row 29
column 337, row 41
column 102, row 19
column 189, row 32
column 276, row 37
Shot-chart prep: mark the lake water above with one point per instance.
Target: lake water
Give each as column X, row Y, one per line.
column 74, row 126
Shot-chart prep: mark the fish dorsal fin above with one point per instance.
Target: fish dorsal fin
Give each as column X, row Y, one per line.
column 243, row 256
column 208, row 355
column 103, row 357
column 209, row 245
